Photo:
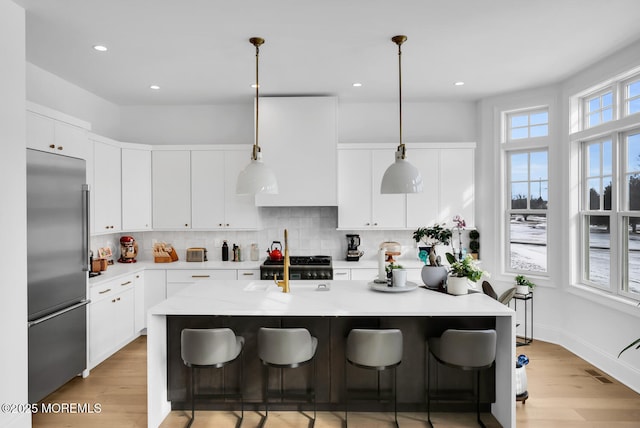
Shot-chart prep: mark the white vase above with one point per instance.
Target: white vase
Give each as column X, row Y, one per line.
column 457, row 285
column 522, row 289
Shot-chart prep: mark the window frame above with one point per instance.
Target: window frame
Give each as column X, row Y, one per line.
column 507, row 128
column 624, row 101
column 599, row 93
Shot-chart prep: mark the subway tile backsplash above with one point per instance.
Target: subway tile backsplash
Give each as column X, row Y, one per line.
column 312, row 231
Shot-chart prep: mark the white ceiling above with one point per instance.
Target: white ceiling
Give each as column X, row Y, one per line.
column 198, row 50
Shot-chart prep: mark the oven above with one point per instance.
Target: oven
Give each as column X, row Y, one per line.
column 300, row 267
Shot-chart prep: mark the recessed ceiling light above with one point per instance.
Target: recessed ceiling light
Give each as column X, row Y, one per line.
column 154, row 87
column 100, row 48
column 459, row 83
column 357, row 85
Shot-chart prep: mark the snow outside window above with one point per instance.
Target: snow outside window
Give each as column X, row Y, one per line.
column 528, row 189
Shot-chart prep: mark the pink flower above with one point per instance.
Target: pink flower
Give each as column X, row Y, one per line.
column 459, row 221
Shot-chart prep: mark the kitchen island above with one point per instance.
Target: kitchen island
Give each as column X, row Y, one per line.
column 344, row 305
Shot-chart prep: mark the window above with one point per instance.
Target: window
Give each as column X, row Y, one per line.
column 527, row 124
column 632, row 97
column 598, row 108
column 528, row 186
column 611, row 213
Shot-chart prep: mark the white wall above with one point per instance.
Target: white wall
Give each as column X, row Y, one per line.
column 13, row 214
column 49, row 90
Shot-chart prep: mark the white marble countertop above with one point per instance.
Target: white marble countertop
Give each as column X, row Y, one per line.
column 343, row 298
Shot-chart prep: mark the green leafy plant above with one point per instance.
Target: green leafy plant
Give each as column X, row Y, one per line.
column 631, row 345
column 391, row 266
column 522, row 280
column 433, row 235
column 465, row 268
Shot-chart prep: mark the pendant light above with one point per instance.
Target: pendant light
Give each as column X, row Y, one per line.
column 256, row 177
column 401, row 176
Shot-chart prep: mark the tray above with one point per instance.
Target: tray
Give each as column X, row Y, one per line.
column 383, row 287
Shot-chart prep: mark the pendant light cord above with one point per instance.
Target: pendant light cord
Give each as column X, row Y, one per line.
column 399, row 40
column 257, row 41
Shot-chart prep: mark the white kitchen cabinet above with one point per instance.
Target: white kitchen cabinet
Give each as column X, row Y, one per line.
column 248, row 274
column 107, row 185
column 182, row 278
column 341, row 274
column 139, row 314
column 361, row 205
column 111, row 317
column 214, row 202
column 171, row 182
column 366, row 274
column 298, row 137
column 448, row 174
column 136, row 189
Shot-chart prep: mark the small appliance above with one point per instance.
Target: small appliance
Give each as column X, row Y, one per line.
column 353, row 254
column 196, row 254
column 275, row 253
column 128, row 249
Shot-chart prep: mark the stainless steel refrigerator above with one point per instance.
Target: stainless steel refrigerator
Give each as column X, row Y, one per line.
column 58, row 252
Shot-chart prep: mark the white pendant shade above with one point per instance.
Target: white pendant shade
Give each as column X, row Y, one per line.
column 401, row 177
column 256, row 178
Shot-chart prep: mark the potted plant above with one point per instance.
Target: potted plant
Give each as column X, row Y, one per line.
column 433, row 274
column 389, row 269
column 523, row 285
column 461, row 272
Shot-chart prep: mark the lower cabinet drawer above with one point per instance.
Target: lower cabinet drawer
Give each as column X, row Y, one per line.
column 193, row 275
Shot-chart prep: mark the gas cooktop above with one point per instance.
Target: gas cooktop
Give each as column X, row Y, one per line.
column 301, row 267
column 302, row 261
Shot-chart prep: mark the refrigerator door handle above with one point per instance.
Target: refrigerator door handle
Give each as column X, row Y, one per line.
column 86, row 232
column 55, row 314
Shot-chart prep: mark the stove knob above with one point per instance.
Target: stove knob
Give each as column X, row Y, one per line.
column 314, row 275
column 307, row 275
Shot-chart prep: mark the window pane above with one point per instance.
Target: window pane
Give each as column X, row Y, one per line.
column 528, row 242
column 598, row 250
column 633, row 187
column 633, row 153
column 519, row 196
column 519, row 133
column 607, row 193
column 633, row 255
column 519, row 121
column 594, row 119
column 519, row 167
column 538, row 192
column 607, row 99
column 594, row 193
column 538, row 165
column 594, row 160
column 607, row 115
column 633, row 106
column 539, row 118
column 594, row 104
column 607, row 165
column 539, row 131
column 633, row 89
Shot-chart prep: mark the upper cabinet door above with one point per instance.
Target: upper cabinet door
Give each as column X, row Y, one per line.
column 136, row 189
column 457, row 185
column 298, row 137
column 207, row 189
column 354, row 192
column 107, row 187
column 171, row 181
column 423, row 209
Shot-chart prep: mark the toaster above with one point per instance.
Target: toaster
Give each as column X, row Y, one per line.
column 196, row 254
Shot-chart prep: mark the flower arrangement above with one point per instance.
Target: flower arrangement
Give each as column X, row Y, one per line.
column 465, row 268
column 460, row 224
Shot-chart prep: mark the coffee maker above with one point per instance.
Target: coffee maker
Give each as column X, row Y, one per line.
column 353, row 254
column 128, row 250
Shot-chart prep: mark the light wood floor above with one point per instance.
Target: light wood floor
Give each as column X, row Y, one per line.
column 562, row 394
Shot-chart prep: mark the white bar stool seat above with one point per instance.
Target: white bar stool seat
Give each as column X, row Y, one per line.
column 211, row 348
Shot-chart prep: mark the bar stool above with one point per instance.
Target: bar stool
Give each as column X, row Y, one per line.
column 211, row 348
column 374, row 349
column 473, row 350
column 286, row 348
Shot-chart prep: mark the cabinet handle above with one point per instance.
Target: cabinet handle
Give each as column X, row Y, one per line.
column 375, row 224
column 186, row 225
column 125, row 283
column 60, row 148
column 137, row 276
column 200, row 276
column 118, row 299
column 113, row 301
column 52, row 146
column 227, row 224
column 104, row 291
column 340, row 273
column 367, row 224
column 247, row 273
column 220, row 224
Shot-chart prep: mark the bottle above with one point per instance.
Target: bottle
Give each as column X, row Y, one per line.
column 254, row 252
column 225, row 251
column 235, row 252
